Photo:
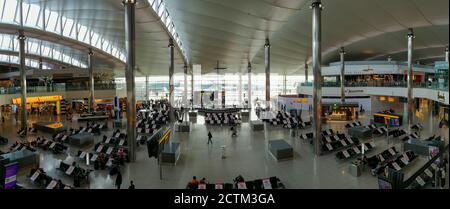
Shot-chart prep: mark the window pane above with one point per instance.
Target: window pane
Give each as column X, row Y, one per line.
column 32, row 15
column 83, row 34
column 67, row 27
column 9, row 11
column 52, row 22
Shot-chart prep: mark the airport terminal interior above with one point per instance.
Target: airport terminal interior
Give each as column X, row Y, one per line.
column 224, row 94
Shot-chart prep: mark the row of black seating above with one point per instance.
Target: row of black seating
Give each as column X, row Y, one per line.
column 402, row 160
column 335, row 137
column 417, row 127
column 147, row 129
column 114, row 141
column 119, row 135
column 47, row 144
column 426, row 177
column 3, row 140
column 378, row 130
column 397, row 133
column 355, row 150
column 61, row 137
column 17, row 146
column 288, row 120
column 258, row 184
column 109, row 149
column 336, row 145
column 74, row 171
column 328, row 132
column 223, row 118
column 159, row 117
column 413, row 135
column 353, row 124
column 377, row 160
column 41, row 179
column 100, row 160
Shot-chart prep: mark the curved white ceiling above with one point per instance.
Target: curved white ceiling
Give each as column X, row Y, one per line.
column 234, row 31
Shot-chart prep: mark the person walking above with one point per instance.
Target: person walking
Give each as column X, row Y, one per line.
column 209, row 137
column 118, row 180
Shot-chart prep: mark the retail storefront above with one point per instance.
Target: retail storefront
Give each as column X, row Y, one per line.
column 42, row 104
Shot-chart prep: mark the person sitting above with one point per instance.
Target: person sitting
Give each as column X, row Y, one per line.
column 194, row 181
column 131, row 185
column 203, row 181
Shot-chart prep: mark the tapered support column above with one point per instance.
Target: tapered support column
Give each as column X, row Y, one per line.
column 40, row 64
column 249, row 86
column 192, row 89
column 130, row 51
column 91, row 82
column 171, row 87
column 342, row 54
column 185, row 92
column 147, row 94
column 446, row 53
column 267, row 65
column 410, row 79
column 306, row 72
column 316, row 62
column 240, row 89
column 23, row 82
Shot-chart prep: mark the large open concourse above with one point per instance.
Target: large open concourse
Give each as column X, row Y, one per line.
column 225, row 95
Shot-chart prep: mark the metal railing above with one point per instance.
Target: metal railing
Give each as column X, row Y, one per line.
column 403, row 84
column 57, row 87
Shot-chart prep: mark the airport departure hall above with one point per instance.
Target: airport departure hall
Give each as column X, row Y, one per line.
column 224, row 94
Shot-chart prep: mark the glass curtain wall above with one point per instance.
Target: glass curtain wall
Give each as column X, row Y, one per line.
column 159, row 87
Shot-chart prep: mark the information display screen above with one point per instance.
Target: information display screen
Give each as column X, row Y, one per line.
column 11, row 175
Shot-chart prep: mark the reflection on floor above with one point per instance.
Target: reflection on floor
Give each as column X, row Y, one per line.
column 246, row 155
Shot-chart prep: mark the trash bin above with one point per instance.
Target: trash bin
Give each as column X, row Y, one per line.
column 292, row 132
column 117, row 124
column 355, row 168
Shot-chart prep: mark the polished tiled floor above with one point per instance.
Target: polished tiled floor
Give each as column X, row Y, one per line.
column 246, row 155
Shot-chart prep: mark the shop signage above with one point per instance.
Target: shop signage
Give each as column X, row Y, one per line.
column 301, row 100
column 349, row 91
column 39, row 99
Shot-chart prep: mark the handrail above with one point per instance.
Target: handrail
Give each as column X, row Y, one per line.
column 411, row 179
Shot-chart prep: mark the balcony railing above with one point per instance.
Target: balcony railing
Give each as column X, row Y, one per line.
column 403, row 84
column 57, row 87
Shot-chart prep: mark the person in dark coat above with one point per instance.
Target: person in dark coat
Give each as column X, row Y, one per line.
column 118, row 180
column 209, row 137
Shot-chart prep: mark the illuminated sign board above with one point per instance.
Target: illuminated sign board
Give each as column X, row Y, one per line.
column 301, row 100
column 38, row 99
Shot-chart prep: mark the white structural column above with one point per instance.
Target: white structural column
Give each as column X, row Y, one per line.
column 192, row 88
column 91, row 82
column 284, row 84
column 147, row 94
column 342, row 54
column 171, row 86
column 240, row 89
column 249, row 85
column 410, row 79
column 446, row 53
column 185, row 92
column 130, row 52
column 316, row 61
column 267, row 67
column 306, row 71
column 23, row 81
